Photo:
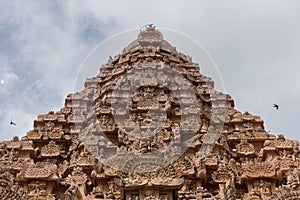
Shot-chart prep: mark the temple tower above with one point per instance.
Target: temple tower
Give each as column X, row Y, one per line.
column 149, row 126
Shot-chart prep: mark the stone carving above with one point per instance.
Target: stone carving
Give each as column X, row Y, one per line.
column 203, row 149
column 245, row 149
column 37, row 188
column 260, row 169
column 76, row 182
column 45, row 170
column 77, row 176
column 50, row 150
column 8, row 189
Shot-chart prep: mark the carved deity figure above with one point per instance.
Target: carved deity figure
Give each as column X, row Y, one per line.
column 293, row 180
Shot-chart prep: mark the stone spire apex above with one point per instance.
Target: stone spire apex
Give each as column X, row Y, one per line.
column 149, row 37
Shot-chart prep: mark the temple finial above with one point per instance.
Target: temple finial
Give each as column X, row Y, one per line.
column 148, row 27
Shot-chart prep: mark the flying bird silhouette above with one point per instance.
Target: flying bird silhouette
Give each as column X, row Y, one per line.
column 12, row 123
column 276, row 106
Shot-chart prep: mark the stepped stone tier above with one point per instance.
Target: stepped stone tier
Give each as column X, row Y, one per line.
column 149, row 126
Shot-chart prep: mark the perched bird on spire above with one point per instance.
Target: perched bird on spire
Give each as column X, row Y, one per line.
column 276, row 106
column 12, row 123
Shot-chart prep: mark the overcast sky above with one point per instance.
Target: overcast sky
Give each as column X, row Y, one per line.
column 255, row 45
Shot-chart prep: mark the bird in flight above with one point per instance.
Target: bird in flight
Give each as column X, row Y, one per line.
column 12, row 123
column 276, row 106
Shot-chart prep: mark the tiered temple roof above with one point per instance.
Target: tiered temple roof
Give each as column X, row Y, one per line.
column 149, row 126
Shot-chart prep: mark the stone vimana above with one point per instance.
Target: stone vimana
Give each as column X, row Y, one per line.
column 149, row 126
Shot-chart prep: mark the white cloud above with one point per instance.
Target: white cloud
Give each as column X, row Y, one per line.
column 8, row 80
